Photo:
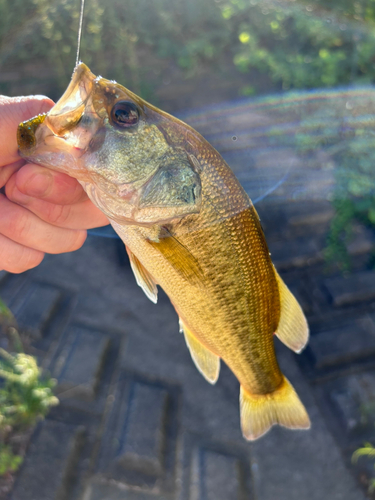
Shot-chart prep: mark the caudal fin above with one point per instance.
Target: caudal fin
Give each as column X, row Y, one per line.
column 259, row 412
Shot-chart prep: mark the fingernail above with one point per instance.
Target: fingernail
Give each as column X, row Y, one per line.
column 38, row 185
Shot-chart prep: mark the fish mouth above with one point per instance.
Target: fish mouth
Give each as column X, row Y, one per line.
column 51, row 131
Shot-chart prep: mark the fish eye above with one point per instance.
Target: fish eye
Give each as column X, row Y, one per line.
column 124, row 114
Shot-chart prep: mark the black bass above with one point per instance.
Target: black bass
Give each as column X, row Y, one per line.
column 189, row 227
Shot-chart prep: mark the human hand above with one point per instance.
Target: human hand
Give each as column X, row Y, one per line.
column 43, row 211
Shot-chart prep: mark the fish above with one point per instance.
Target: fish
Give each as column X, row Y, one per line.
column 188, row 227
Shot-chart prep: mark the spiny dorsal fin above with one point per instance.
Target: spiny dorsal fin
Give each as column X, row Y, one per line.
column 259, row 412
column 207, row 363
column 293, row 329
column 180, row 258
column 143, row 277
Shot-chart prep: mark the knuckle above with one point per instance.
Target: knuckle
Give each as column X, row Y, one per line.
column 19, row 224
column 10, row 190
column 58, row 214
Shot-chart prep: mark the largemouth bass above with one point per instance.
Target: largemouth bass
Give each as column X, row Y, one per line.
column 189, row 227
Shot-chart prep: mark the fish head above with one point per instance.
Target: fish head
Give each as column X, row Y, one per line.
column 130, row 157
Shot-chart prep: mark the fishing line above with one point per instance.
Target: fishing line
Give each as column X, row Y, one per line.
column 80, row 30
column 273, row 188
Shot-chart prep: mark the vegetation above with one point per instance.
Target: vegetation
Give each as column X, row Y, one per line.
column 9, row 462
column 25, row 396
column 299, row 44
column 354, row 199
column 366, row 451
column 296, row 44
column 350, row 143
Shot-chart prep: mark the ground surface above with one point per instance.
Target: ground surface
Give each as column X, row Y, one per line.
column 136, row 419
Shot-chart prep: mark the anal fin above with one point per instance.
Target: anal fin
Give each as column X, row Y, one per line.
column 259, row 412
column 292, row 329
column 143, row 277
column 207, row 363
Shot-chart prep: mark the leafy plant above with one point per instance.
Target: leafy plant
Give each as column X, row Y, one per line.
column 5, row 312
column 302, row 45
column 25, row 395
column 349, row 141
column 354, row 198
column 9, row 462
column 296, row 44
column 367, row 451
column 44, row 33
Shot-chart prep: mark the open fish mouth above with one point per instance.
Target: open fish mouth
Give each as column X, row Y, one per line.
column 49, row 137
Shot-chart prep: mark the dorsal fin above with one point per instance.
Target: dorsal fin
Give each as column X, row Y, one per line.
column 143, row 277
column 293, row 329
column 207, row 363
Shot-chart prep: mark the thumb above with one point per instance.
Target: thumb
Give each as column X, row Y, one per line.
column 13, row 111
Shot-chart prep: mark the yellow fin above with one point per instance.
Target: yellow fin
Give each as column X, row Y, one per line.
column 207, row 363
column 180, row 259
column 259, row 412
column 143, row 277
column 293, row 329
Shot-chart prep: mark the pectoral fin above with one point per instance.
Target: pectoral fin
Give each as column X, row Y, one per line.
column 207, row 363
column 180, row 259
column 293, row 329
column 143, row 277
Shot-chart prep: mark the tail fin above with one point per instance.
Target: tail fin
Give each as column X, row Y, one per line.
column 259, row 412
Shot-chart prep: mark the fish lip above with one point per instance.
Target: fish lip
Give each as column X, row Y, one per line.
column 77, row 92
column 68, row 110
